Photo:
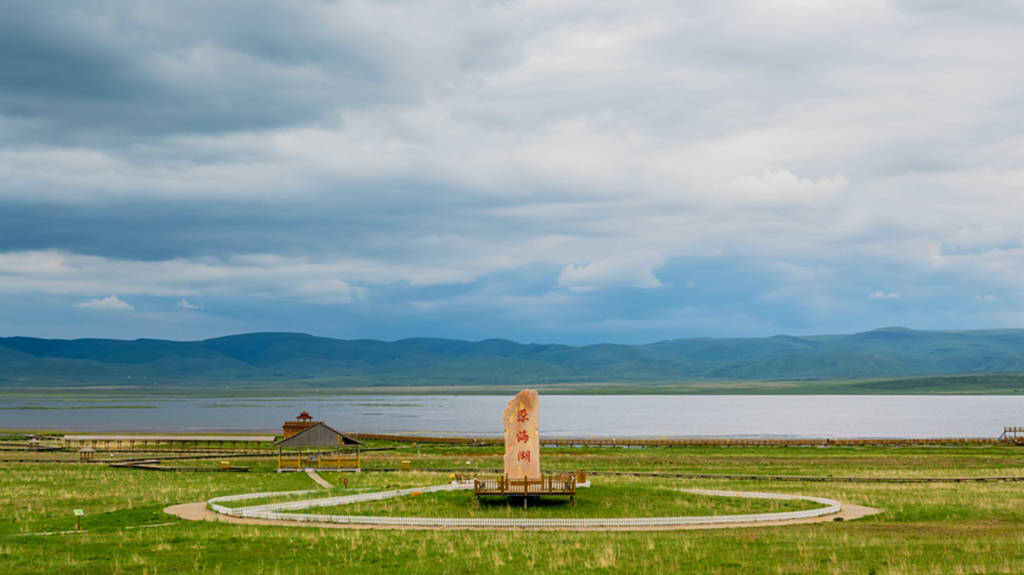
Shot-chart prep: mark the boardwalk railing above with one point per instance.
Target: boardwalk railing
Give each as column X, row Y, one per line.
column 155, row 442
column 684, row 441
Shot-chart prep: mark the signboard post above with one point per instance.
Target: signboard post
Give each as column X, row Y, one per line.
column 522, row 436
column 78, row 519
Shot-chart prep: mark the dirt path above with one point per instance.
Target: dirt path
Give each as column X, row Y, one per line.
column 198, row 512
column 319, row 480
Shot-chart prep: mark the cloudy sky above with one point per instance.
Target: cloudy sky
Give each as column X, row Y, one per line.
column 542, row 171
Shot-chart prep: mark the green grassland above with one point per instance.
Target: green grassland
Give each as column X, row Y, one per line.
column 609, row 497
column 926, row 527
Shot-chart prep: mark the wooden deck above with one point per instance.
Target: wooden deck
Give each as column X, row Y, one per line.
column 564, row 484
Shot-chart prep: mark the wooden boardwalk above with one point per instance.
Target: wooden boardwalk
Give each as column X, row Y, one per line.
column 685, row 441
column 160, row 442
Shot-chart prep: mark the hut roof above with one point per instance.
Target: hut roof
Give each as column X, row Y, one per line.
column 317, row 435
column 86, row 449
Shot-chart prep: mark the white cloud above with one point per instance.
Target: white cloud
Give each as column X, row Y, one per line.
column 57, row 272
column 185, row 304
column 884, row 295
column 110, row 303
column 637, row 272
column 989, row 298
column 329, row 291
column 785, row 187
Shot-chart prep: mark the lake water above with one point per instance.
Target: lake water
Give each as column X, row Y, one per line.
column 560, row 415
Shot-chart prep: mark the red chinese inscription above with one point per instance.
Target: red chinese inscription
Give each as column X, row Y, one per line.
column 523, row 456
column 521, row 416
column 523, row 436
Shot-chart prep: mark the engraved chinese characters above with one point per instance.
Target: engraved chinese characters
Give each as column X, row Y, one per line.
column 522, row 440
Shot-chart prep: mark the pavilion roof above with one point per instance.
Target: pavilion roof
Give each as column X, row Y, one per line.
column 317, row 435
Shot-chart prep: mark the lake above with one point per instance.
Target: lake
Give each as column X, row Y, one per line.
column 855, row 416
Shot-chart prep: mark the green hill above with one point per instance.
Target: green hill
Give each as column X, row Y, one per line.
column 280, row 358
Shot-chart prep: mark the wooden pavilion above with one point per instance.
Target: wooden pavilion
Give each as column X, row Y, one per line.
column 1013, row 435
column 301, row 422
column 318, row 447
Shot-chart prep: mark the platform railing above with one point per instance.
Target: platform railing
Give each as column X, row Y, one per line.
column 564, row 484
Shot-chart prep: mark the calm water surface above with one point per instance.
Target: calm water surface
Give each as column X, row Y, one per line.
column 561, row 415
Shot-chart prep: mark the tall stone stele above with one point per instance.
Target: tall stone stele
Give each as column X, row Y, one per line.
column 522, row 436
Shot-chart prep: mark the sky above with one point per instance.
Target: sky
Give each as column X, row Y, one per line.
column 571, row 172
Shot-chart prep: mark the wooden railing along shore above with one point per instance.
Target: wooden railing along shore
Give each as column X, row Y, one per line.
column 692, row 441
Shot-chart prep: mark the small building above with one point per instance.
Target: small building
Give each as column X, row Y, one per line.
column 86, row 453
column 318, row 446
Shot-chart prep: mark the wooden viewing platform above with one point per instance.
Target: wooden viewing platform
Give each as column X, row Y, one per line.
column 564, row 484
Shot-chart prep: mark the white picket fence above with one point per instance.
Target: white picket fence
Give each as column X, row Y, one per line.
column 274, row 511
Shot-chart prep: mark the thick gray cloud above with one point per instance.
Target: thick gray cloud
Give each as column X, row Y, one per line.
column 95, row 71
column 574, row 170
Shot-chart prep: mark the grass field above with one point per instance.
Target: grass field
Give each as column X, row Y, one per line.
column 610, row 497
column 926, row 528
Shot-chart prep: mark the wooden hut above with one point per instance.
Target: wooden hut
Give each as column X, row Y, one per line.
column 318, row 447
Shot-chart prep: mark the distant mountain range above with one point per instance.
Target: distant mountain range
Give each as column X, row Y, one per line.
column 299, row 359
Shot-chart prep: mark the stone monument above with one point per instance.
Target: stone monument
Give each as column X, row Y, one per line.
column 522, row 436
